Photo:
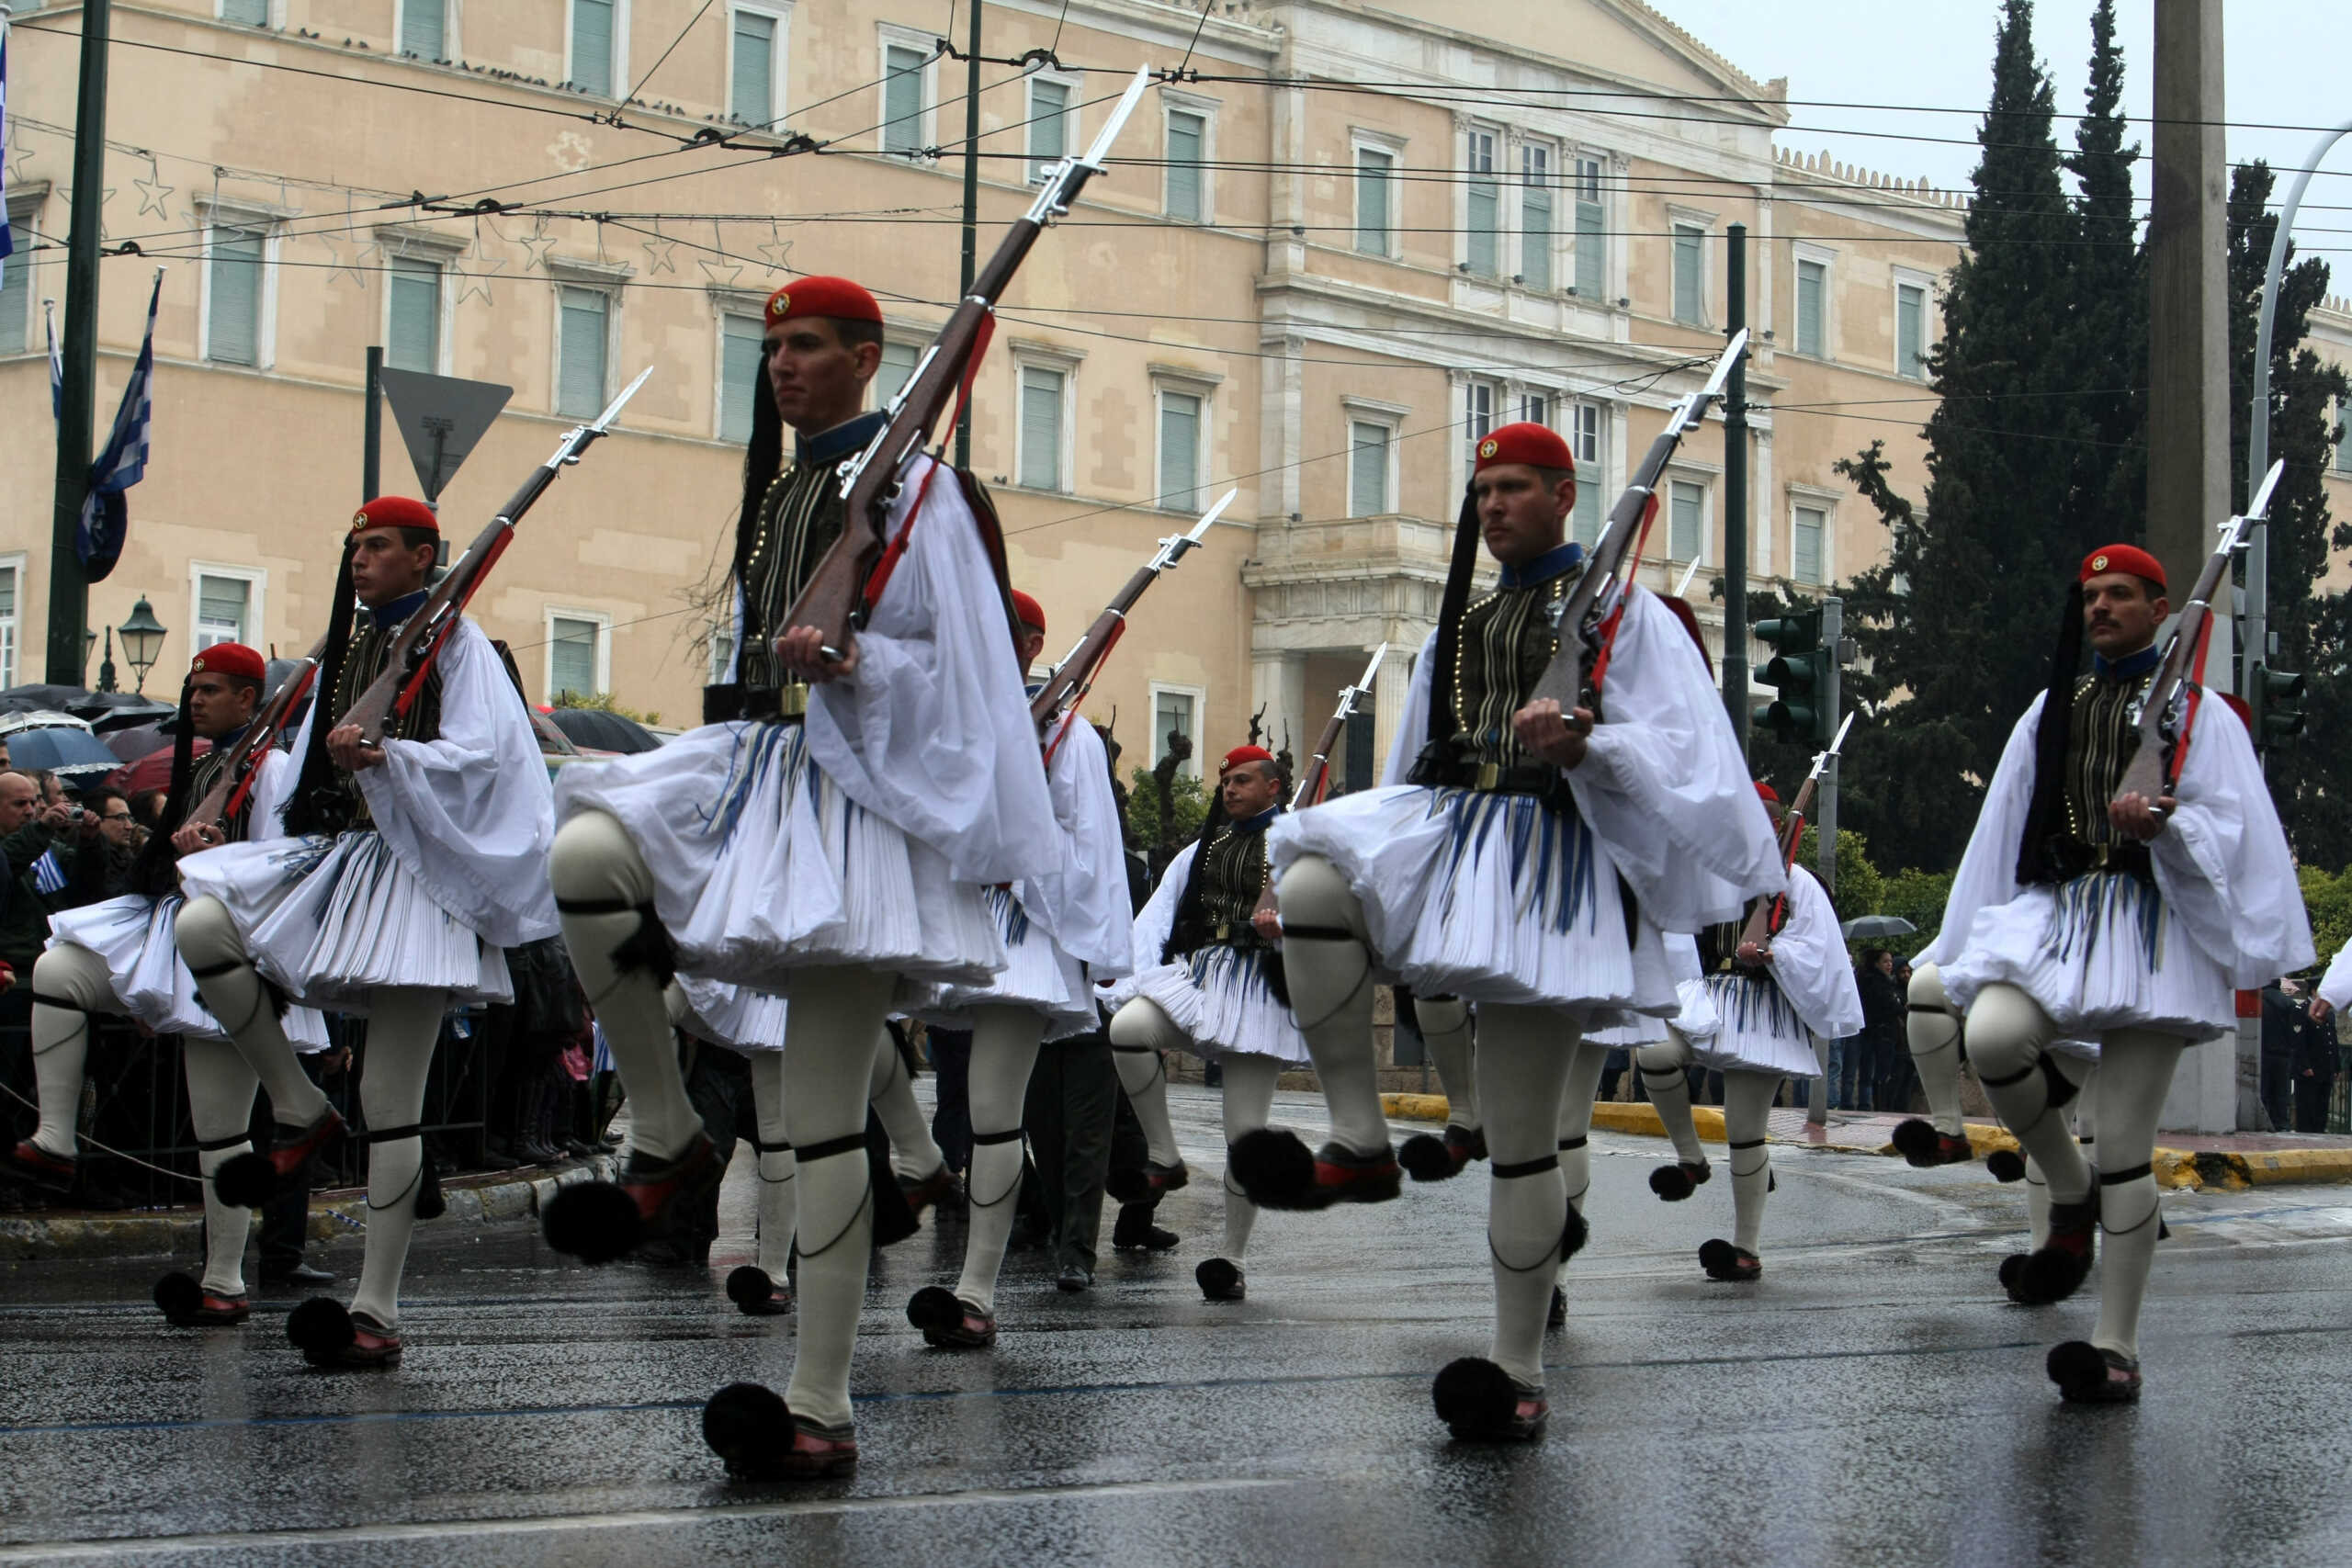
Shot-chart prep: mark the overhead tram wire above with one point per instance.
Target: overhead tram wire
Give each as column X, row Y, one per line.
column 631, row 94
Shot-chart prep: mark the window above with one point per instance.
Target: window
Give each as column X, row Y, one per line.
column 412, row 316
column 1535, row 407
column 1535, row 216
column 1043, row 393
column 12, row 577
column 1592, row 256
column 16, row 285
column 752, row 73
column 224, row 604
column 1688, row 263
column 2342, row 461
column 1911, row 330
column 424, row 29
column 740, row 381
column 1188, row 140
column 1368, row 451
column 1477, row 414
column 904, row 68
column 1049, row 125
column 1687, row 521
column 1482, row 219
column 1179, row 451
column 232, row 314
column 1376, row 175
column 580, row 351
column 252, row 12
column 1584, row 445
column 898, row 362
column 1808, row 541
column 1813, row 308
column 593, row 46
column 1176, row 710
column 575, row 655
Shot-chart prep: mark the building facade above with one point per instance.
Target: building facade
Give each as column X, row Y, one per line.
column 1345, row 243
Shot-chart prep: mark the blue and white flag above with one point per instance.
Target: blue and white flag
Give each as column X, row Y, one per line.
column 56, row 361
column 7, row 240
column 48, row 874
column 105, row 517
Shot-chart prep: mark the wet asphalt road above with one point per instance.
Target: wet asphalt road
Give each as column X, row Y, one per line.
column 1872, row 1402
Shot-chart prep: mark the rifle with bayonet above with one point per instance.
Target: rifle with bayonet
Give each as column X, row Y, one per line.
column 1317, row 773
column 834, row 598
column 1066, row 686
column 2164, row 718
column 233, row 785
column 1590, row 619
column 426, row 633
column 1772, row 913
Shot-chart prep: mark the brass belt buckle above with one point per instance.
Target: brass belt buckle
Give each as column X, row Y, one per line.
column 792, row 700
column 1224, row 930
column 1490, row 775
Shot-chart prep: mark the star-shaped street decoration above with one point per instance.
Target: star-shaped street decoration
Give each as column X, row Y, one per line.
column 152, row 192
column 109, row 195
column 721, row 272
column 537, row 246
column 778, row 254
column 340, row 268
column 478, row 282
column 662, row 260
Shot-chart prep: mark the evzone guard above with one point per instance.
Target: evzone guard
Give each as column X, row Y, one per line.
column 828, row 839
column 416, row 855
column 1208, row 979
column 1526, row 859
column 120, row 957
column 1053, row 952
column 2127, row 873
column 1769, row 982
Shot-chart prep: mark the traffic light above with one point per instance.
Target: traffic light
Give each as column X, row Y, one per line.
column 2278, row 706
column 1797, row 672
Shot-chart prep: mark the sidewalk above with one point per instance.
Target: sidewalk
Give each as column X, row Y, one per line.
column 2225, row 1161
column 163, row 1233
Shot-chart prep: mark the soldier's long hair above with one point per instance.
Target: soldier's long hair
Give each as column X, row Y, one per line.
column 2046, row 810
column 154, row 873
column 311, row 807
column 762, row 459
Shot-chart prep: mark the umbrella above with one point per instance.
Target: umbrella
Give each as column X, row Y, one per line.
column 40, row 718
column 81, row 702
column 136, row 740
column 605, row 731
column 152, row 770
column 553, row 742
column 1863, row 928
column 71, row 753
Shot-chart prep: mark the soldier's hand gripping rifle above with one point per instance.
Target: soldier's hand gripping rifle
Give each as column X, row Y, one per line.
column 1590, row 617
column 426, row 633
column 1317, row 773
column 1058, row 700
column 234, row 785
column 833, row 599
column 1772, row 913
column 2167, row 713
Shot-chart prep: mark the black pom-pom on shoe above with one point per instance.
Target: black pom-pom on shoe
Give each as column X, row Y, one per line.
column 1426, row 1158
column 1574, row 1234
column 2049, row 1274
column 1914, row 1138
column 245, row 1181
column 1672, row 1182
column 593, row 1220
column 2087, row 1375
column 1729, row 1265
column 756, row 1293
column 1220, row 1280
column 1273, row 1168
column 177, row 1296
column 2012, row 1267
column 935, row 1309
column 1480, row 1403
column 321, row 1328
column 2006, row 1165
column 750, row 1426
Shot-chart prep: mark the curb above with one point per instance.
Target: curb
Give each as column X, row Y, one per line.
column 2190, row 1169
column 165, row 1232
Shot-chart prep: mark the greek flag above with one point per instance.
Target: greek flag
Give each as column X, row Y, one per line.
column 105, row 517
column 48, row 874
column 7, row 240
column 56, row 361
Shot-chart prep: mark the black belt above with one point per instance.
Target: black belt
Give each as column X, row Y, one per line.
column 2066, row 858
column 731, row 700
column 1541, row 780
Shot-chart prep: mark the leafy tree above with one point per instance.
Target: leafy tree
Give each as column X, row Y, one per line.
column 1165, row 810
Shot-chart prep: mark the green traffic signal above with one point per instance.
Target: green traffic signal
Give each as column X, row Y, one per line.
column 2278, row 706
column 1796, row 672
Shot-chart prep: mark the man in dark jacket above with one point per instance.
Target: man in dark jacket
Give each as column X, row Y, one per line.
column 2315, row 1067
column 2286, row 1020
column 28, row 831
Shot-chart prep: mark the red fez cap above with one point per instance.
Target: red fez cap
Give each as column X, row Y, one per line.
column 1241, row 754
column 231, row 658
column 2122, row 558
column 835, row 297
column 1767, row 793
column 1029, row 612
column 395, row 512
column 1525, row 442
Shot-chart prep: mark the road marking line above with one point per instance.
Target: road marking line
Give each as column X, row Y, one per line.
column 636, row 1519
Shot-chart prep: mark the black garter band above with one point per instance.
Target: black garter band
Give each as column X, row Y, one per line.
column 648, row 948
column 1501, row 1172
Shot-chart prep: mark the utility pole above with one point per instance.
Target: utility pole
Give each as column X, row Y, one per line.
column 69, row 590
column 1735, row 664
column 971, row 203
column 2188, row 416
column 1825, row 799
column 371, row 425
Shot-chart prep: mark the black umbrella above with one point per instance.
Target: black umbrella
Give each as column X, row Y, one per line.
column 603, row 731
column 100, row 708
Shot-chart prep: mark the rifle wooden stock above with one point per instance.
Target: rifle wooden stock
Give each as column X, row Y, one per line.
column 235, row 781
column 1772, row 914
column 1568, row 679
column 1317, row 773
column 2150, row 774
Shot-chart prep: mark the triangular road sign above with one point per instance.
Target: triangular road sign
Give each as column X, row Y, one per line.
column 440, row 418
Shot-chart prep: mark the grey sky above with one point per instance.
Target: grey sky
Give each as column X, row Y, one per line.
column 2284, row 66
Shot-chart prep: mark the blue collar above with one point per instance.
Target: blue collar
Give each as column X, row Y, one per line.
column 2130, row 667
column 400, row 609
column 223, row 742
column 832, row 446
column 1551, row 563
column 1261, row 822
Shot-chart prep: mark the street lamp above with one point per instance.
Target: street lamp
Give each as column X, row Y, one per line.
column 105, row 665
column 142, row 640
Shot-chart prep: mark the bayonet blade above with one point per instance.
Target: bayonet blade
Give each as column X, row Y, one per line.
column 1363, row 682
column 1209, row 517
column 613, row 410
column 1118, row 120
column 1683, row 589
column 1722, row 372
column 2260, row 509
column 1838, row 744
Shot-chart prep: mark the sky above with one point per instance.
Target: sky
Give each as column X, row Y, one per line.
column 2283, row 66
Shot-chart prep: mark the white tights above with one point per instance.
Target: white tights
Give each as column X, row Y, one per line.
column 1523, row 1068
column 1140, row 1031
column 403, row 1025
column 1445, row 1030
column 1330, row 989
column 1748, row 1112
column 79, row 977
column 225, row 978
column 1004, row 1049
